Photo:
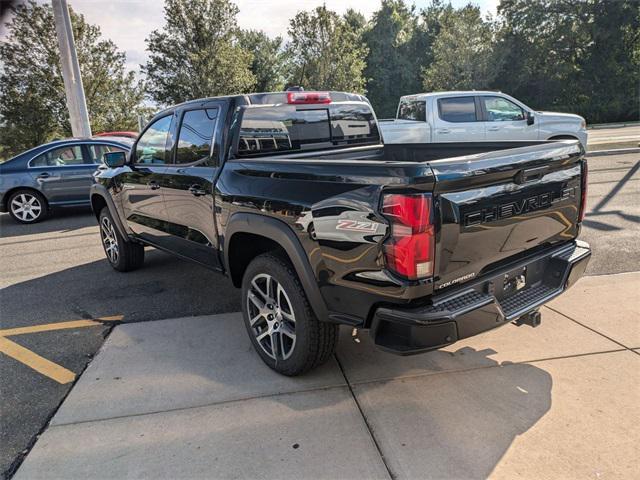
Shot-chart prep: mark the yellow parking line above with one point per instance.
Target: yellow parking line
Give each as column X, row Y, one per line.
column 35, row 361
column 48, row 327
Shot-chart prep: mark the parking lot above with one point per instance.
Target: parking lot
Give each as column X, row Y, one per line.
column 188, row 397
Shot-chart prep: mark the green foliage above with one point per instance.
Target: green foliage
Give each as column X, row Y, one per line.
column 32, row 98
column 269, row 60
column 575, row 56
column 326, row 51
column 580, row 57
column 462, row 52
column 397, row 51
column 197, row 53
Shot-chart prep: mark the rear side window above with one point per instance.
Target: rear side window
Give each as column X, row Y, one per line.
column 195, row 137
column 287, row 128
column 59, row 157
column 457, row 109
column 412, row 110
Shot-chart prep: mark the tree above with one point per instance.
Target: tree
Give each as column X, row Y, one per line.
column 33, row 106
column 396, row 56
column 326, row 52
column 197, row 53
column 573, row 56
column 269, row 60
column 462, row 52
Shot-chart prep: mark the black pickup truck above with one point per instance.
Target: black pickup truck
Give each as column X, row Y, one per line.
column 293, row 196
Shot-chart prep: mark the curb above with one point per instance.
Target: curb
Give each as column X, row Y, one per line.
column 602, row 126
column 616, row 151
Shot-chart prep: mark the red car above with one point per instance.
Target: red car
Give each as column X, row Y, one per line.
column 117, row 134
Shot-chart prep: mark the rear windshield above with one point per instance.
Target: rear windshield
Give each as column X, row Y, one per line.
column 412, row 110
column 267, row 130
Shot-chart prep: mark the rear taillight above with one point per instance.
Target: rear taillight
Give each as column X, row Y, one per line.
column 583, row 200
column 409, row 250
column 301, row 98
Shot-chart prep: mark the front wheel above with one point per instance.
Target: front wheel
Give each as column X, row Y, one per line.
column 123, row 256
column 282, row 326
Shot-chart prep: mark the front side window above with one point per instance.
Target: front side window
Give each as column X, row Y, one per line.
column 457, row 109
column 59, row 157
column 152, row 145
column 96, row 151
column 196, row 133
column 412, row 110
column 502, row 110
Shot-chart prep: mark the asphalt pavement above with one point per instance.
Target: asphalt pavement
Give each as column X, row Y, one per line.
column 55, row 272
column 614, row 137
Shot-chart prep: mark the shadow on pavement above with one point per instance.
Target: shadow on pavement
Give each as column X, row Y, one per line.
column 446, row 424
column 597, row 209
column 165, row 287
column 455, row 425
column 61, row 221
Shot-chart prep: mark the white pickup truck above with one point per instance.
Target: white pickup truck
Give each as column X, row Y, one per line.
column 476, row 116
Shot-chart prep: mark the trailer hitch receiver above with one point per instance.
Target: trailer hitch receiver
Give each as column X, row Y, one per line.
column 532, row 319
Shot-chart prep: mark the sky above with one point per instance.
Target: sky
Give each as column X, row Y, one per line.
column 129, row 22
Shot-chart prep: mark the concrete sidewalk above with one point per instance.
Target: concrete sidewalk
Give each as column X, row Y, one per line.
column 189, row 398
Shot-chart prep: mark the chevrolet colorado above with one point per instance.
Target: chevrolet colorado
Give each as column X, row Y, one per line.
column 293, row 196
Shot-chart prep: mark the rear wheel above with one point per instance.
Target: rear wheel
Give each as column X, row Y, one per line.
column 123, row 256
column 281, row 324
column 27, row 206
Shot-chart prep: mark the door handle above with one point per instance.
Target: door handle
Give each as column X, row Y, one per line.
column 443, row 130
column 44, row 175
column 493, row 129
column 197, row 190
column 153, row 185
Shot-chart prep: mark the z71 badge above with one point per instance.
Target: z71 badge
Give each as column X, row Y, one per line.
column 356, row 226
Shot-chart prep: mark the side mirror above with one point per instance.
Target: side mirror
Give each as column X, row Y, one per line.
column 530, row 118
column 114, row 159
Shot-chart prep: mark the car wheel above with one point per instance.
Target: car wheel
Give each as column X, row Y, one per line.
column 123, row 255
column 27, row 206
column 282, row 326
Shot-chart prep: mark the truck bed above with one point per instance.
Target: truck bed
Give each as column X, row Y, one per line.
column 497, row 203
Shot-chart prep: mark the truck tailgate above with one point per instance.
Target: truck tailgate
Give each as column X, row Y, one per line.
column 496, row 206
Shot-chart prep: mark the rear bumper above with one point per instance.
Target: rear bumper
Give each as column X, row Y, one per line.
column 481, row 305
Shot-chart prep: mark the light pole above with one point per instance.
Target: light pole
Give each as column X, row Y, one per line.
column 76, row 103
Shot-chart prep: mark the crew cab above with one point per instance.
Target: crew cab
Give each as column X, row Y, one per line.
column 477, row 116
column 294, row 197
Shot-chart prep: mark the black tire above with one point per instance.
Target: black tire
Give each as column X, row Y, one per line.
column 27, row 206
column 315, row 341
column 564, row 137
column 123, row 255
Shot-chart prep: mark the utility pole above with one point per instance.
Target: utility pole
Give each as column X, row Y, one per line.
column 76, row 103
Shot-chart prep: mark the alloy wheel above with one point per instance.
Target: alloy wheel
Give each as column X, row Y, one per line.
column 271, row 317
column 26, row 207
column 109, row 240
